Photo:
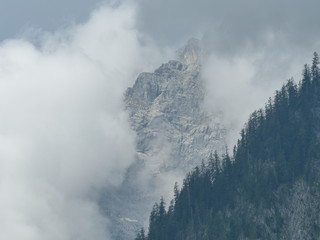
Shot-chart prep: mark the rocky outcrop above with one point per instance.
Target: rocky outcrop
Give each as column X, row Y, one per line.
column 166, row 111
column 174, row 134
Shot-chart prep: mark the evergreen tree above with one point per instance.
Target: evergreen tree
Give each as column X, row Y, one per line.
column 315, row 68
column 176, row 192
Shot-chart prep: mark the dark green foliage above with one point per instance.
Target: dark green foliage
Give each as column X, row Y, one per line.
column 278, row 146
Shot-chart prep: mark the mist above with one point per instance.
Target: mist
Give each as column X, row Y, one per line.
column 64, row 135
column 237, row 86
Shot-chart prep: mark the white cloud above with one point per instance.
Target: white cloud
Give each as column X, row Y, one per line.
column 63, row 134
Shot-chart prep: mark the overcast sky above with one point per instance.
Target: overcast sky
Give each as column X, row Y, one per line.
column 16, row 16
column 229, row 25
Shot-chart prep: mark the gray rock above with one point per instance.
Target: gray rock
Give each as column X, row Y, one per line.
column 174, row 134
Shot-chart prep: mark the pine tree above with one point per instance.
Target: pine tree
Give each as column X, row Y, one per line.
column 315, row 68
column 176, row 192
column 306, row 80
column 162, row 208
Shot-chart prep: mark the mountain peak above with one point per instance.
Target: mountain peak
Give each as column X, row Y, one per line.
column 190, row 53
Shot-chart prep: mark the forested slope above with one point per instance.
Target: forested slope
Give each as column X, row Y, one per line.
column 268, row 188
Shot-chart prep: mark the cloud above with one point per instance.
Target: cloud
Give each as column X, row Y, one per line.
column 64, row 135
column 236, row 86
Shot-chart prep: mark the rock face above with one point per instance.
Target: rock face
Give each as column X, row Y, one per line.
column 174, row 134
column 166, row 111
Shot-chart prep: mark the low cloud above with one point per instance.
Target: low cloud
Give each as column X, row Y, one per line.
column 237, row 86
column 64, row 135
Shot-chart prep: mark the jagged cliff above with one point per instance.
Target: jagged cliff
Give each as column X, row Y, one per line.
column 174, row 134
column 166, row 111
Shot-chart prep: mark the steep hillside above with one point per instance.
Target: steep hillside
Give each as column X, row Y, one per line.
column 269, row 189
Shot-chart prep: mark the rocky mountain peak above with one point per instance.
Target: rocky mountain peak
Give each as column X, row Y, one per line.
column 174, row 133
column 190, row 53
